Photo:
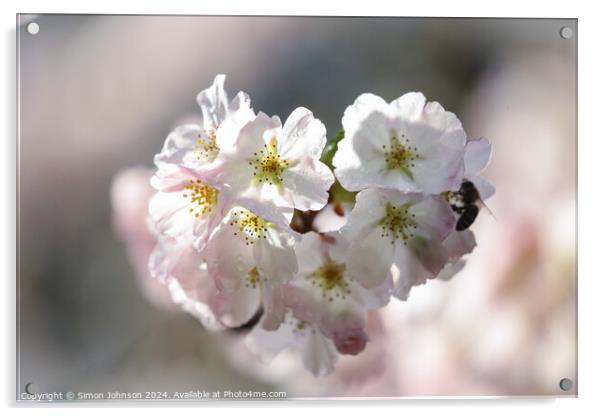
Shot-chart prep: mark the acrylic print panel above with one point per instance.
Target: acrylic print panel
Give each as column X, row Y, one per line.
column 387, row 210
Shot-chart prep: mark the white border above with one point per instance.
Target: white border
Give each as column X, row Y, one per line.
column 589, row 210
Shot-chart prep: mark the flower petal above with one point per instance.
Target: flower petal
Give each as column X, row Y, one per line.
column 369, row 260
column 360, row 158
column 458, row 244
column 434, row 217
column 308, row 182
column 405, row 145
column 229, row 262
column 303, row 136
column 476, row 158
column 275, row 257
column 409, row 106
column 213, row 102
column 169, row 213
column 239, row 114
column 179, row 147
column 369, row 209
column 178, row 265
column 450, row 270
column 486, row 189
column 309, row 253
column 317, row 352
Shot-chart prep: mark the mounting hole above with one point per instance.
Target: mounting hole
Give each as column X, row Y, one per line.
column 566, row 384
column 33, row 28
column 566, row 32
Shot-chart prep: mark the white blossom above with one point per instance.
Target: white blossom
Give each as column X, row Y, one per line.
column 408, row 145
column 273, row 165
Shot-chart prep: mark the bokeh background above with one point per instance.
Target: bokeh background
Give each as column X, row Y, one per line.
column 98, row 94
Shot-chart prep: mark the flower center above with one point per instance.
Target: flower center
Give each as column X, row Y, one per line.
column 252, row 279
column 206, row 148
column 400, row 155
column 398, row 223
column 252, row 226
column 298, row 326
column 330, row 277
column 202, row 197
column 269, row 166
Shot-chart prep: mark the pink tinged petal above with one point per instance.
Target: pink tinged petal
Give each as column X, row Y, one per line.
column 477, row 156
column 238, row 307
column 408, row 272
column 369, row 209
column 350, row 341
column 303, row 136
column 317, row 353
column 458, row 244
column 275, row 257
column 452, row 132
column 415, row 263
column 409, row 106
column 364, row 105
column 437, row 135
column 171, row 178
column 336, row 244
column 440, row 170
column 309, row 253
column 369, row 259
column 229, row 256
column 252, row 137
column 274, row 307
column 175, row 263
column 239, row 114
column 213, row 103
column 204, row 226
column 373, row 298
column 169, row 212
column 180, row 146
column 369, row 256
column 434, row 217
column 234, row 165
column 486, row 189
column 174, row 258
column 190, row 303
column 305, row 300
column 430, row 253
column 440, row 139
column 267, row 344
column 316, row 350
column 230, row 261
column 308, row 183
column 450, row 270
column 279, row 216
column 360, row 159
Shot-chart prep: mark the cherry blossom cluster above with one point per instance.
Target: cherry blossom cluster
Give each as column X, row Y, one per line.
column 232, row 191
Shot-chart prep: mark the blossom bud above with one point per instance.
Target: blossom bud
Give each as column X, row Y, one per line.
column 350, row 341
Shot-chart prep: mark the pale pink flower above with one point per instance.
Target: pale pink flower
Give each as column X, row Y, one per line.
column 408, row 145
column 249, row 258
column 325, row 293
column 270, row 164
column 187, row 204
column 388, row 227
column 180, row 267
column 317, row 351
column 196, row 145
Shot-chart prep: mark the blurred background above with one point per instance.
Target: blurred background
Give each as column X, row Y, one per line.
column 98, row 94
